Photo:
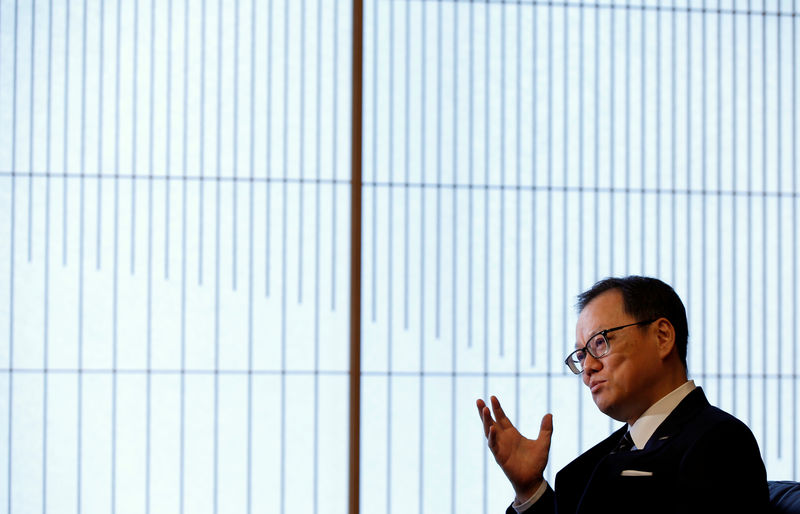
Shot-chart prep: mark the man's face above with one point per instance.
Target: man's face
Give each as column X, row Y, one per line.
column 621, row 383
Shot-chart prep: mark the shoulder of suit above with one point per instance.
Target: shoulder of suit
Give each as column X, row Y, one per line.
column 714, row 418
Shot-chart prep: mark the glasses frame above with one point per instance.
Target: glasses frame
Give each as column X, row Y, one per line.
column 604, row 334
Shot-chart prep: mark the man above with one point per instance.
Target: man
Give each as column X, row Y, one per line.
column 676, row 452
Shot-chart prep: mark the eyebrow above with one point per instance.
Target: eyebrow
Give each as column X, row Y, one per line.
column 578, row 346
column 598, row 332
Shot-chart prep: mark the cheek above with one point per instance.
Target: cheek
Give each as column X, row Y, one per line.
column 619, row 373
column 629, row 378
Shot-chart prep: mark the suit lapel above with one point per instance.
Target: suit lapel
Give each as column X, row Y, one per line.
column 574, row 482
column 597, row 466
column 687, row 410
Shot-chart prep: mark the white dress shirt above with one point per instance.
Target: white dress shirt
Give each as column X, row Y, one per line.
column 641, row 431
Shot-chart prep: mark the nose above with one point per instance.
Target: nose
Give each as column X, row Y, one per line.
column 590, row 366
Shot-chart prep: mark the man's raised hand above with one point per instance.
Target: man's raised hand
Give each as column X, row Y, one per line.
column 522, row 460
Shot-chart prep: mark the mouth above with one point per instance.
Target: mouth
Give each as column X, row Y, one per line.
column 595, row 386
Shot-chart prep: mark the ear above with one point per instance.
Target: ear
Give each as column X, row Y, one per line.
column 665, row 337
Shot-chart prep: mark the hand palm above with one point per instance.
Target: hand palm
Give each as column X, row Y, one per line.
column 523, row 460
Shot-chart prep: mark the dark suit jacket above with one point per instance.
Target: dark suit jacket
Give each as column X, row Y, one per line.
column 701, row 458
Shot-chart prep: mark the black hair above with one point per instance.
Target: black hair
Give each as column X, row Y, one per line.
column 645, row 298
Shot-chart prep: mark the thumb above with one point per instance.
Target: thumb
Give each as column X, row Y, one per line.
column 546, row 429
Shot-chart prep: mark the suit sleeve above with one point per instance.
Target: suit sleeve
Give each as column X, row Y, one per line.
column 723, row 472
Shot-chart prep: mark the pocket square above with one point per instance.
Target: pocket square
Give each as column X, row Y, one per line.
column 635, row 473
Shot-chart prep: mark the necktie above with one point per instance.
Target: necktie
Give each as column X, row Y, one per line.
column 625, row 444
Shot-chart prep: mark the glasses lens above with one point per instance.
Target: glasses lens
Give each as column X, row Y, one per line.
column 598, row 346
column 575, row 361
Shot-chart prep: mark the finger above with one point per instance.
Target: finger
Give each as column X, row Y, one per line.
column 486, row 417
column 491, row 437
column 481, row 404
column 488, row 421
column 499, row 413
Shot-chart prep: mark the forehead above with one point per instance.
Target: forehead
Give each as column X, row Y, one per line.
column 607, row 310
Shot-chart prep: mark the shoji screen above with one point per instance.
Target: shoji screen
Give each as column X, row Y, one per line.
column 174, row 188
column 174, row 182
column 516, row 152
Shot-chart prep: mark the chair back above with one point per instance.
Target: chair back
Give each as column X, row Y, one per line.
column 784, row 496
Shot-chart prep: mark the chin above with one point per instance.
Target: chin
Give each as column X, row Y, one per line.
column 607, row 408
column 601, row 403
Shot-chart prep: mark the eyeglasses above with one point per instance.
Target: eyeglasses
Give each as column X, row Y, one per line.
column 597, row 346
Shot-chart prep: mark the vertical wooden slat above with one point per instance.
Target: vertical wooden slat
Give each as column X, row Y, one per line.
column 355, row 258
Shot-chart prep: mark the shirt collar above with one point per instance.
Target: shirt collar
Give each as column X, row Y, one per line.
column 646, row 425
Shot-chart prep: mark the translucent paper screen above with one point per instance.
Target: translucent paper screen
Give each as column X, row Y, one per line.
column 517, row 152
column 174, row 186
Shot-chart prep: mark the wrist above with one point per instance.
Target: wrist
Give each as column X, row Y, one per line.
column 524, row 493
column 522, row 505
